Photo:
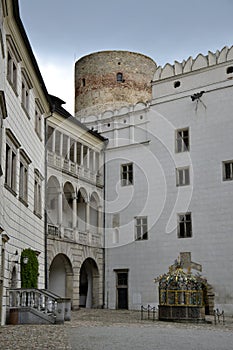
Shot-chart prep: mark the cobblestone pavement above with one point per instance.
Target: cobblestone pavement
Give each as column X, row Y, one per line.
column 113, row 329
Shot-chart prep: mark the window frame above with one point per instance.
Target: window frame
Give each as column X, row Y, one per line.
column 38, row 178
column 119, row 77
column 127, row 175
column 180, row 148
column 26, row 86
column 139, row 224
column 187, row 233
column 183, row 180
column 12, row 146
column 38, row 118
column 23, row 177
column 12, row 63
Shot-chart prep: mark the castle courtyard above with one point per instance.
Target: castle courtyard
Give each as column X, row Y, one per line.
column 97, row 329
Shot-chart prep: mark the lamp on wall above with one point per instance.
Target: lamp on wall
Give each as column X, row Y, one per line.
column 25, row 260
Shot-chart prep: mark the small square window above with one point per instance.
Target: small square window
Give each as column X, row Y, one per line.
column 127, row 174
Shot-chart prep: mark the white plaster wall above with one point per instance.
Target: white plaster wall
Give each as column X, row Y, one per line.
column 155, row 194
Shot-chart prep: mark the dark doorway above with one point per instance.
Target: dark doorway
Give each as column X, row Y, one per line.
column 122, row 290
column 89, row 284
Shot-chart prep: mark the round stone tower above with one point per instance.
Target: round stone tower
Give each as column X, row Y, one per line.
column 109, row 80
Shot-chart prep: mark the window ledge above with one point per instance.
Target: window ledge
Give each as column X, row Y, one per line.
column 10, row 189
column 37, row 214
column 23, row 201
column 12, row 86
column 25, row 111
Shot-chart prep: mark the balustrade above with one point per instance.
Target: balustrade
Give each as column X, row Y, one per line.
column 73, row 168
column 40, row 300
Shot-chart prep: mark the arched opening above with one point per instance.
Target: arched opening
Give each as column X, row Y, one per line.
column 61, row 276
column 119, row 77
column 53, row 189
column 67, row 207
column 89, row 284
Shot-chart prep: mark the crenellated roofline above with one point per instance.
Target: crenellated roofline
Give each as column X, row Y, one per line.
column 193, row 64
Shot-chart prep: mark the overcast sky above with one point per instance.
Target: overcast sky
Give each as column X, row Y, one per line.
column 61, row 32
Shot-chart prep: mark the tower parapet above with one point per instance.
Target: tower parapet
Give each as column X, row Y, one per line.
column 194, row 64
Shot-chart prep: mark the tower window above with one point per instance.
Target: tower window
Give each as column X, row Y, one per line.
column 83, row 82
column 119, row 78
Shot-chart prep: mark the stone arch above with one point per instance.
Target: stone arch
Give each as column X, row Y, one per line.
column 89, row 284
column 61, row 276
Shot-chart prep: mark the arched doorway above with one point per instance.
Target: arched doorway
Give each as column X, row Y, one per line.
column 89, row 284
column 61, row 276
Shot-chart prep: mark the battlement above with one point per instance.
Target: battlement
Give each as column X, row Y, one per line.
column 194, row 64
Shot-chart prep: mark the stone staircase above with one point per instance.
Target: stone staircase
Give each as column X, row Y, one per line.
column 36, row 306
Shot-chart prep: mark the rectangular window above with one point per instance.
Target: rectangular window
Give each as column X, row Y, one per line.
column 25, row 97
column 37, row 193
column 184, row 225
column 228, row 170
column 127, row 174
column 38, row 119
column 25, row 91
column 23, row 177
column 12, row 71
column 182, row 140
column 11, row 156
column 182, row 176
column 141, row 228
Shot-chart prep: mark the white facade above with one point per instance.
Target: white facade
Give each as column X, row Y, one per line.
column 75, row 157
column 169, row 166
column 23, row 105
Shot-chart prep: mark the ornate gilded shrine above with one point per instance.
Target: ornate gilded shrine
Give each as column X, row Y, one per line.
column 181, row 296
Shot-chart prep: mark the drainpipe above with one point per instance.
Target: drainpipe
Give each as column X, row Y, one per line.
column 104, row 231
